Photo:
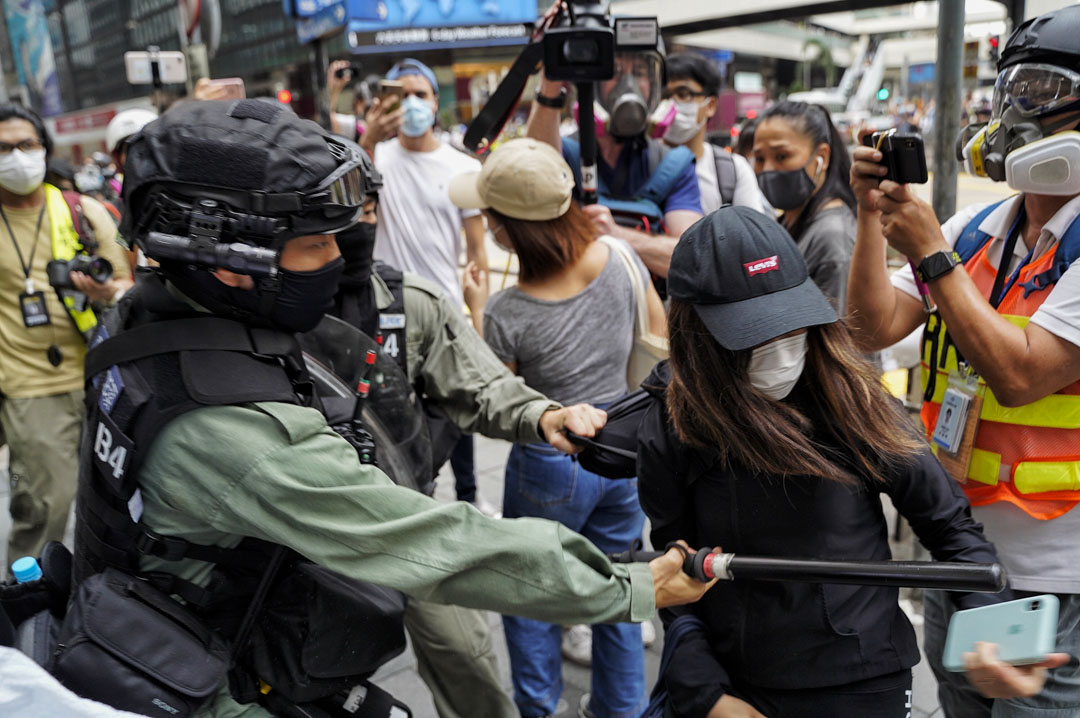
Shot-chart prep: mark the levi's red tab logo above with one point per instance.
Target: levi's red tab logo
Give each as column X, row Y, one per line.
column 762, row 265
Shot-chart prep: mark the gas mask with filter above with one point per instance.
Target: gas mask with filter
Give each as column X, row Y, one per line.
column 626, row 103
column 1031, row 141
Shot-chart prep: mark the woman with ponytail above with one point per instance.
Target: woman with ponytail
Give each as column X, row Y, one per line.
column 802, row 164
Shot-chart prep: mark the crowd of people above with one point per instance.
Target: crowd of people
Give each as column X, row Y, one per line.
column 153, row 378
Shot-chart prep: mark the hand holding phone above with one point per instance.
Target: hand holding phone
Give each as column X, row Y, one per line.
column 902, row 153
column 390, row 94
column 1024, row 631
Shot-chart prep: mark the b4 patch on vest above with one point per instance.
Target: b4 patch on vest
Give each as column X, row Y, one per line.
column 112, row 451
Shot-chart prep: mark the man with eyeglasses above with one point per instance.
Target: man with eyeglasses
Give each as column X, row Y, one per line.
column 44, row 328
column 1002, row 344
column 723, row 177
column 421, row 228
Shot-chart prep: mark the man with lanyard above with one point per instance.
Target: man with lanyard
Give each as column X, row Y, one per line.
column 1002, row 348
column 625, row 156
column 43, row 330
column 723, row 177
column 421, row 228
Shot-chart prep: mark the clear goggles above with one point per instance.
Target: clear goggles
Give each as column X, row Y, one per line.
column 1035, row 89
column 347, row 186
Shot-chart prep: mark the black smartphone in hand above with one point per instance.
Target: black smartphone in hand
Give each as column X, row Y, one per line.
column 903, row 155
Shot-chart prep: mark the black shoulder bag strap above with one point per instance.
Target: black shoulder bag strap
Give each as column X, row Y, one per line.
column 192, row 334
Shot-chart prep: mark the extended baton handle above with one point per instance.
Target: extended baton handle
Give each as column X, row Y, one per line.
column 947, row 576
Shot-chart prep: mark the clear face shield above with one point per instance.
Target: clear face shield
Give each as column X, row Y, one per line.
column 629, row 98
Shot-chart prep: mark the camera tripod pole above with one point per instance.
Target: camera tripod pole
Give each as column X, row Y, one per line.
column 587, row 135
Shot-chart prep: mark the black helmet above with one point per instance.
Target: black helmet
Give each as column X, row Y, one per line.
column 372, row 179
column 1053, row 38
column 247, row 171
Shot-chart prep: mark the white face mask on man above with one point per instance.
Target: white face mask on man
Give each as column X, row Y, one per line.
column 776, row 367
column 22, row 172
column 685, row 125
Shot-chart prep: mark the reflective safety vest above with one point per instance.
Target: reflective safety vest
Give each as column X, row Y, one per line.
column 66, row 243
column 1027, row 455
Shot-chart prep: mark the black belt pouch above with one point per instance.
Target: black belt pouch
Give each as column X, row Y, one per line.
column 128, row 645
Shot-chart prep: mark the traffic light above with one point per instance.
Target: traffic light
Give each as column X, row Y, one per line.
column 995, row 48
column 883, row 94
column 284, row 97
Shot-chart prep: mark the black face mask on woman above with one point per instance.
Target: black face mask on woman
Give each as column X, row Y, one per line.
column 788, row 189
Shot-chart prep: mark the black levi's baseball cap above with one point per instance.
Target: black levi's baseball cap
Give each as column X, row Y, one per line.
column 746, row 279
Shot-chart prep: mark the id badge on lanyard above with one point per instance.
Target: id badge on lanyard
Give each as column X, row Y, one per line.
column 958, row 421
column 35, row 312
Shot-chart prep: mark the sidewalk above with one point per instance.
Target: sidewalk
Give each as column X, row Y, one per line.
column 400, row 676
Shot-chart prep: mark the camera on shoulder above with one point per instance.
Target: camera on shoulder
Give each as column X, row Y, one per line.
column 582, row 44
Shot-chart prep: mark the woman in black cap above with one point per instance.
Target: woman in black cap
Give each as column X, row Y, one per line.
column 772, row 436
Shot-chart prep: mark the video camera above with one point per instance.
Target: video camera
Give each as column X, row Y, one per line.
column 59, row 271
column 580, row 45
column 577, row 44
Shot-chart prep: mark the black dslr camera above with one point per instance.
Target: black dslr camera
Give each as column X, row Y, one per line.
column 59, row 271
column 902, row 153
column 354, row 71
column 581, row 45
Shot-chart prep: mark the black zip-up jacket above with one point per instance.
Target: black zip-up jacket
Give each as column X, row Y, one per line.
column 792, row 635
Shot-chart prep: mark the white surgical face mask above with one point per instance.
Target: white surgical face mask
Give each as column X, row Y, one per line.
column 685, row 125
column 776, row 367
column 22, row 172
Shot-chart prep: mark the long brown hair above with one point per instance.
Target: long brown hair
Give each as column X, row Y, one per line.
column 545, row 247
column 712, row 405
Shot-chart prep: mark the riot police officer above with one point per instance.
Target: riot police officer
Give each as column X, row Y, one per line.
column 205, row 449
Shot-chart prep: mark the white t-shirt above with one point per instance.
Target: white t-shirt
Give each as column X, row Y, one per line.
column 747, row 193
column 419, row 227
column 1040, row 555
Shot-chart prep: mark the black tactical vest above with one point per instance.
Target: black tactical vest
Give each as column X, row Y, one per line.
column 154, row 359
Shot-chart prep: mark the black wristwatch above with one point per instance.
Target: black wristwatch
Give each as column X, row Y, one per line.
column 937, row 265
column 556, row 103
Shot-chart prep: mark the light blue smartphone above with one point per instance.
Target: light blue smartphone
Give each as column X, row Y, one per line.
column 1025, row 630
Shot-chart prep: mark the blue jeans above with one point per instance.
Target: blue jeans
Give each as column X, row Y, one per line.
column 541, row 481
column 1060, row 697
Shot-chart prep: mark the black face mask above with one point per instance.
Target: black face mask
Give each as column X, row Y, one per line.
column 786, row 189
column 303, row 297
column 357, row 245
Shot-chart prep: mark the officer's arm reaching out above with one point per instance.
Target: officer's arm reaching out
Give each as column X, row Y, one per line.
column 294, row 482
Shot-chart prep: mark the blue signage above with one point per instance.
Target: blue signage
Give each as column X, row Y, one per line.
column 379, row 25
column 309, row 8
column 719, row 56
column 327, row 21
column 921, row 74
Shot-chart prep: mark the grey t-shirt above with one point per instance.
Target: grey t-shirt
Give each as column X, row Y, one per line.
column 571, row 350
column 826, row 245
